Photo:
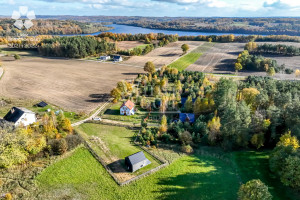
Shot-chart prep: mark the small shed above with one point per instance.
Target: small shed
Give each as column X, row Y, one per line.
column 187, row 117
column 127, row 108
column 104, row 58
column 42, row 104
column 136, row 161
column 118, row 59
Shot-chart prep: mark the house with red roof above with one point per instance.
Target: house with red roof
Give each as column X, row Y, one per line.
column 127, row 108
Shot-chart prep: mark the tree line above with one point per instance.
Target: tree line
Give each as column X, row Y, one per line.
column 74, row 47
column 279, row 49
column 252, row 62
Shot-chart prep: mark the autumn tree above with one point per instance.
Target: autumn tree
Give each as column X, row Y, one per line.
column 149, row 67
column 271, row 71
column 238, row 66
column 188, row 105
column 116, row 94
column 254, row 190
column 185, row 48
column 163, row 124
column 213, row 127
column 249, row 95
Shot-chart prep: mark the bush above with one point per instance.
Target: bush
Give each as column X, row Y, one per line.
column 289, row 71
column 187, row 149
column 59, row 146
column 186, row 138
column 17, row 56
column 73, row 141
column 254, row 190
column 8, row 196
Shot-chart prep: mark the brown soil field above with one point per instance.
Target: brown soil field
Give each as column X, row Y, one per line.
column 71, row 84
column 163, row 55
column 218, row 59
column 124, row 45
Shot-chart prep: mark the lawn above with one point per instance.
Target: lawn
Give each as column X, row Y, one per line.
column 118, row 143
column 255, row 165
column 190, row 58
column 80, row 176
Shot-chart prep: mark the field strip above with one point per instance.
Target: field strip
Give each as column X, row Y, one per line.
column 185, row 61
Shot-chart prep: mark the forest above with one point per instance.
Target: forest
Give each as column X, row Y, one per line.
column 52, row 27
column 74, row 47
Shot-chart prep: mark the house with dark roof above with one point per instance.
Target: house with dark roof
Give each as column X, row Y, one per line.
column 187, row 117
column 136, row 161
column 118, row 59
column 127, row 108
column 20, row 116
column 104, row 58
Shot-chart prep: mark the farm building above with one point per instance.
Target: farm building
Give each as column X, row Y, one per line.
column 187, row 117
column 136, row 161
column 20, row 116
column 118, row 59
column 42, row 104
column 104, row 58
column 127, row 108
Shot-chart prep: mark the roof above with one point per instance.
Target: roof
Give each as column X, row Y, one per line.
column 137, row 158
column 129, row 104
column 187, row 117
column 16, row 113
column 117, row 57
column 42, row 104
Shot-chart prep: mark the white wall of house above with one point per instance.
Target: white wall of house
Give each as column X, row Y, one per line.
column 126, row 111
column 26, row 119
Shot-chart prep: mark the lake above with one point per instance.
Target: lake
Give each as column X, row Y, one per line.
column 135, row 30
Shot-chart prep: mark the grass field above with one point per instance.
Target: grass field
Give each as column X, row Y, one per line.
column 116, row 144
column 190, row 58
column 190, row 177
column 255, row 165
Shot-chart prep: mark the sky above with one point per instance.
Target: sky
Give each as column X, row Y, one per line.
column 159, row 8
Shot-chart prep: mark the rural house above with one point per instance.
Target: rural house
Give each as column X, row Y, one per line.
column 127, row 108
column 20, row 116
column 136, row 161
column 104, row 58
column 118, row 59
column 187, row 117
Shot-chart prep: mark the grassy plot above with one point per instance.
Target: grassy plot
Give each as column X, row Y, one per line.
column 255, row 165
column 117, row 143
column 190, row 58
column 190, row 177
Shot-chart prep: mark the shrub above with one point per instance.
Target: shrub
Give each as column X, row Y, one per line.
column 8, row 196
column 73, row 141
column 186, row 138
column 17, row 56
column 187, row 149
column 254, row 190
column 59, row 146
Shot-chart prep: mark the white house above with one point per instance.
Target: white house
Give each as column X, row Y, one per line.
column 20, row 116
column 104, row 58
column 127, row 108
column 118, row 59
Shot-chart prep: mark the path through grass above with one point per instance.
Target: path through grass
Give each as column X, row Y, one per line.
column 183, row 62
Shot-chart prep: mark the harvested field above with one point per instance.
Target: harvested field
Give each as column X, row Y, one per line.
column 71, row 84
column 163, row 55
column 218, row 59
column 125, row 45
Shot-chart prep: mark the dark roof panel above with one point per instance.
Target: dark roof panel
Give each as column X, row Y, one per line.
column 187, row 117
column 42, row 104
column 14, row 115
column 137, row 157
